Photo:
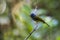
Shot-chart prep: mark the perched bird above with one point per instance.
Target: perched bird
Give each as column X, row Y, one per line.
column 37, row 19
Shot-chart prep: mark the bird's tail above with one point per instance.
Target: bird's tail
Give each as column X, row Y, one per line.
column 47, row 24
column 44, row 22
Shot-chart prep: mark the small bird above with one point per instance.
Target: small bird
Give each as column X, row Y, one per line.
column 37, row 19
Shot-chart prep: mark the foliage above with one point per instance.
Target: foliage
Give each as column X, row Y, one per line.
column 25, row 24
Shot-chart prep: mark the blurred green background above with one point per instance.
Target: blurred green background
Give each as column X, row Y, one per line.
column 16, row 23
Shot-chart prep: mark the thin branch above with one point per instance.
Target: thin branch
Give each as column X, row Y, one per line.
column 32, row 32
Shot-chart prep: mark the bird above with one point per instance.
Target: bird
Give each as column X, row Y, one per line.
column 37, row 19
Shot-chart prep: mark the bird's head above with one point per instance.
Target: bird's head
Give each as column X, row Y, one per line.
column 32, row 15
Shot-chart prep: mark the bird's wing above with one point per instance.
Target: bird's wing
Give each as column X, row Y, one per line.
column 41, row 20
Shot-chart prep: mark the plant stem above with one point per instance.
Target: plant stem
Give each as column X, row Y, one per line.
column 32, row 32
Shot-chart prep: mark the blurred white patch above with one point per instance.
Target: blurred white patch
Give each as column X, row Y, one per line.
column 27, row 1
column 37, row 35
column 52, row 22
column 55, row 22
column 2, row 6
column 39, row 11
column 4, row 20
column 16, row 32
column 34, row 11
column 48, row 19
column 40, row 24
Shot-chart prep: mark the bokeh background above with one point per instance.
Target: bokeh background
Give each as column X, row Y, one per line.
column 16, row 23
